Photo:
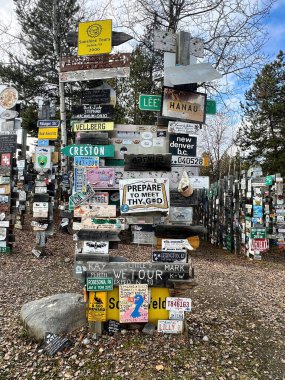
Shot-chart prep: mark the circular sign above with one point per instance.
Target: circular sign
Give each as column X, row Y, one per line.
column 9, row 114
column 8, row 97
column 124, row 208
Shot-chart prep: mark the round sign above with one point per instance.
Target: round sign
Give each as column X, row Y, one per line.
column 8, row 97
column 9, row 114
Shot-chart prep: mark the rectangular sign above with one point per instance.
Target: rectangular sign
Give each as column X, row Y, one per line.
column 176, row 315
column 98, row 235
column 86, row 161
column 8, row 143
column 99, row 284
column 48, row 133
column 6, row 159
column 177, row 200
column 148, row 162
column 95, row 211
column 180, row 127
column 93, row 138
column 5, row 180
column 177, row 303
column 150, row 102
column 96, row 96
column 144, row 195
column 170, row 326
column 186, row 161
column 169, row 256
column 97, row 307
column 92, row 111
column 259, row 244
column 110, row 224
column 93, row 74
column 100, row 178
column 94, row 126
column 94, row 37
column 88, row 150
column 79, row 179
column 48, row 123
column 42, row 158
column 182, row 215
column 75, row 63
column 258, row 233
column 133, row 303
column 174, row 244
column 183, row 105
column 96, row 247
column 43, row 142
column 183, row 145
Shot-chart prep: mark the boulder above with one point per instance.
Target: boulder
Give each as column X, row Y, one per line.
column 58, row 314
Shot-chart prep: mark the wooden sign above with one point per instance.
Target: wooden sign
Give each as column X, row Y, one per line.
column 95, row 96
column 48, row 133
column 182, row 145
column 187, row 106
column 133, row 303
column 177, row 303
column 92, row 111
column 105, row 61
column 92, row 211
column 98, row 235
column 110, row 224
column 86, row 161
column 144, row 195
column 88, row 150
column 177, row 200
column 148, row 162
column 118, row 38
column 170, row 326
column 97, row 307
column 180, row 127
column 169, row 256
column 8, row 143
column 100, row 178
column 181, row 215
column 94, row 126
column 93, row 138
column 139, row 272
column 93, row 74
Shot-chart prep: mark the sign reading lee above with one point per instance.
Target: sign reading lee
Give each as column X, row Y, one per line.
column 88, row 150
column 144, row 195
column 150, row 102
column 94, row 37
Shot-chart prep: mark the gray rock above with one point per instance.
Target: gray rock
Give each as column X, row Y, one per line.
column 149, row 328
column 59, row 314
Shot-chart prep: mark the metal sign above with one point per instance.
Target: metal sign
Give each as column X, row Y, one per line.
column 176, row 199
column 181, row 215
column 43, row 158
column 8, row 143
column 169, row 256
column 100, row 178
column 184, row 128
column 48, row 133
column 93, row 74
column 211, row 107
column 93, row 211
column 43, row 142
column 200, row 182
column 94, row 126
column 9, row 114
column 48, row 123
column 148, row 162
column 118, row 38
column 182, row 146
column 165, row 41
column 150, row 102
column 86, row 161
column 92, row 111
column 259, row 244
column 96, row 96
column 167, row 326
column 6, row 159
column 98, row 235
column 183, row 105
column 105, row 61
column 99, row 284
column 88, row 150
column 94, row 37
column 177, row 303
column 186, row 161
column 258, row 233
column 93, row 138
column 8, row 97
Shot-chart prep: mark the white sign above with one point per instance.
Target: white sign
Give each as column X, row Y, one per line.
column 175, row 245
column 192, row 129
column 200, row 182
column 170, row 326
column 43, row 158
column 144, row 195
column 165, row 41
column 82, row 75
column 177, row 303
column 40, row 190
column 176, row 315
column 95, row 247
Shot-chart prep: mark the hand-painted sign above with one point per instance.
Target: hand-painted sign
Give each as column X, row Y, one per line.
column 92, row 111
column 94, row 126
column 48, row 123
column 8, row 143
column 99, row 284
column 170, row 326
column 184, row 128
column 177, row 303
column 259, row 244
column 43, row 158
column 183, row 145
column 148, row 162
column 150, row 102
column 86, row 161
column 133, row 303
column 94, row 37
column 97, row 307
column 183, row 105
column 95, row 211
column 48, row 133
column 169, row 256
column 96, row 247
column 175, row 244
column 144, row 195
column 75, row 63
column 8, row 97
column 100, row 178
column 88, row 150
column 93, row 74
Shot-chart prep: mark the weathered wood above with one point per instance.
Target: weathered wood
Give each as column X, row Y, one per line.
column 148, row 162
column 91, row 257
column 178, row 232
column 98, row 235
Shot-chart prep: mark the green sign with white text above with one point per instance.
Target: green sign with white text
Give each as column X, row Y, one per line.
column 99, row 284
column 150, row 102
column 89, row 150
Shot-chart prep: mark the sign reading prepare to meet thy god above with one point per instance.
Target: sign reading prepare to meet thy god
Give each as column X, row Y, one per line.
column 88, row 150
column 94, row 37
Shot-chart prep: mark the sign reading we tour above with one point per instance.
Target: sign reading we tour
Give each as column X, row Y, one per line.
column 144, row 195
column 94, row 37
column 183, row 105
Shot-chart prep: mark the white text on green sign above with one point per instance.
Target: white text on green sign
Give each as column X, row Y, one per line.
column 150, row 102
column 89, row 150
column 99, row 284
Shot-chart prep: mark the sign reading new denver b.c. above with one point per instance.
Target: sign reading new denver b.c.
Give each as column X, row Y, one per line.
column 89, row 150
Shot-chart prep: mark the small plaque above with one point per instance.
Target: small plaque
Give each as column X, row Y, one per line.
column 113, row 327
column 55, row 343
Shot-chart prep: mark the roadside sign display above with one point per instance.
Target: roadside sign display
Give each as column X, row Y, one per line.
column 48, row 133
column 88, row 150
column 150, row 102
column 94, row 37
column 8, row 97
column 94, row 126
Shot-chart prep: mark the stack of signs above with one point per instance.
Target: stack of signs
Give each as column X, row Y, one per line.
column 176, row 307
column 5, row 201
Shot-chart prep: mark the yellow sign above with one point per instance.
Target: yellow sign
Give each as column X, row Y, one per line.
column 95, row 126
column 94, row 37
column 157, row 304
column 48, row 133
column 97, row 307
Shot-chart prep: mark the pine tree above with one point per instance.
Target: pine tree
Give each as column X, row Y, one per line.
column 262, row 134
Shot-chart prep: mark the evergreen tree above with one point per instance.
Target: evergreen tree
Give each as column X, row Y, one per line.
column 262, row 134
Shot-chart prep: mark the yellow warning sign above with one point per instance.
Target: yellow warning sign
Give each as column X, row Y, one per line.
column 48, row 133
column 97, row 307
column 94, row 37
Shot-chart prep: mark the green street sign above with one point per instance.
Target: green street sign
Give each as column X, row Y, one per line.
column 5, row 249
column 88, row 150
column 268, row 180
column 211, row 107
column 99, row 284
column 150, row 102
column 258, row 233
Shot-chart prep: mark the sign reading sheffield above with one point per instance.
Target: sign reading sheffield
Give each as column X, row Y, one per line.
column 89, row 150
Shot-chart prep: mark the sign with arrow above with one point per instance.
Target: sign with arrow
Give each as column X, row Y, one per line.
column 88, row 150
column 118, row 38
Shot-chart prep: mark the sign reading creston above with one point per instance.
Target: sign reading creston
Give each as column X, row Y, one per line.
column 95, row 126
column 94, row 37
column 89, row 150
column 48, row 133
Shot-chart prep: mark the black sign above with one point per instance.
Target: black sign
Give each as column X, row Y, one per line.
column 55, row 343
column 41, row 198
column 99, row 138
column 168, row 256
column 98, row 235
column 148, row 162
column 96, row 96
column 8, row 143
column 178, row 231
column 92, row 111
column 177, row 200
column 182, row 145
column 92, row 257
column 113, row 327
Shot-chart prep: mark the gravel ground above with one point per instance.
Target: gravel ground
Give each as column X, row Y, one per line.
column 236, row 327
